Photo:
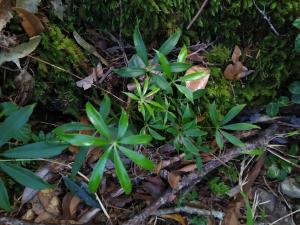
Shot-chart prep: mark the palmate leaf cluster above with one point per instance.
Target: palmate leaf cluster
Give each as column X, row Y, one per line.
column 163, row 110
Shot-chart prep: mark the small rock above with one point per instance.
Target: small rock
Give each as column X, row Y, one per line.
column 290, row 188
column 273, row 208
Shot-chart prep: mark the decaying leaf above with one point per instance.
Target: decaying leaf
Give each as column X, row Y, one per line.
column 20, row 51
column 29, row 5
column 58, row 9
column 25, row 84
column 200, row 83
column 233, row 71
column 177, row 217
column 88, row 47
column 50, row 201
column 70, row 204
column 173, row 179
column 236, row 70
column 88, row 81
column 31, row 24
column 236, row 54
column 5, row 13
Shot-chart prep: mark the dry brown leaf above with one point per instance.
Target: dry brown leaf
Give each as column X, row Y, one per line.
column 236, row 54
column 173, row 179
column 198, row 84
column 177, row 217
column 88, row 81
column 50, row 201
column 196, row 58
column 29, row 215
column 187, row 168
column 233, row 71
column 70, row 205
column 31, row 24
column 5, row 13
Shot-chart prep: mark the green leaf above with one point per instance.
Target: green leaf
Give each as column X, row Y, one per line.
column 98, row 171
column 81, row 192
column 35, row 150
column 82, row 140
column 178, row 67
column 79, row 159
column 161, row 82
column 132, row 96
column 122, row 173
column 156, row 135
column 182, row 54
column 190, row 147
column 296, row 99
column 24, row 176
column 130, row 72
column 297, row 44
column 232, row 139
column 193, row 76
column 232, row 113
column 194, row 132
column 24, row 134
column 187, row 92
column 257, row 152
column 136, row 139
column 170, row 43
column 97, row 120
column 219, row 139
column 123, row 124
column 283, row 101
column 20, row 51
column 156, row 104
column 272, row 109
column 296, row 23
column 4, row 199
column 138, row 159
column 14, row 122
column 105, row 106
column 240, row 126
column 213, row 114
column 73, row 126
column 136, row 62
column 164, row 64
column 199, row 163
column 294, row 87
column 273, row 171
column 140, row 45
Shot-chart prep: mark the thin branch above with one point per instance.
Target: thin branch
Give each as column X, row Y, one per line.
column 198, row 14
column 191, row 210
column 195, row 177
column 268, row 19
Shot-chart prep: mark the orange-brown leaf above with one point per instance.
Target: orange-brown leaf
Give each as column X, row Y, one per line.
column 233, row 71
column 31, row 24
column 236, row 54
column 176, row 217
column 200, row 83
column 173, row 179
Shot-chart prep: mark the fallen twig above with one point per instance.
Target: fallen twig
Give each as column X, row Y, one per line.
column 197, row 14
column 192, row 210
column 268, row 19
column 195, row 177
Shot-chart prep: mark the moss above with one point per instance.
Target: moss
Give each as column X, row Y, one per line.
column 55, row 87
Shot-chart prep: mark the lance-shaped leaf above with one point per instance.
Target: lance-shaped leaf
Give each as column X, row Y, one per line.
column 24, row 176
column 122, row 173
column 4, row 200
column 232, row 113
column 82, row 140
column 140, row 45
column 123, row 124
column 130, row 72
column 136, row 139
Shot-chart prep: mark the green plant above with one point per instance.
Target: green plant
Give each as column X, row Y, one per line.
column 14, row 127
column 115, row 140
column 218, row 187
column 199, row 220
column 272, row 109
column 278, row 168
column 297, row 40
column 221, row 124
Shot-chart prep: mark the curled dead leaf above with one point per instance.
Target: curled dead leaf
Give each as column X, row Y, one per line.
column 173, row 179
column 31, row 23
column 233, row 71
column 236, row 54
column 88, row 81
column 200, row 83
column 177, row 217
